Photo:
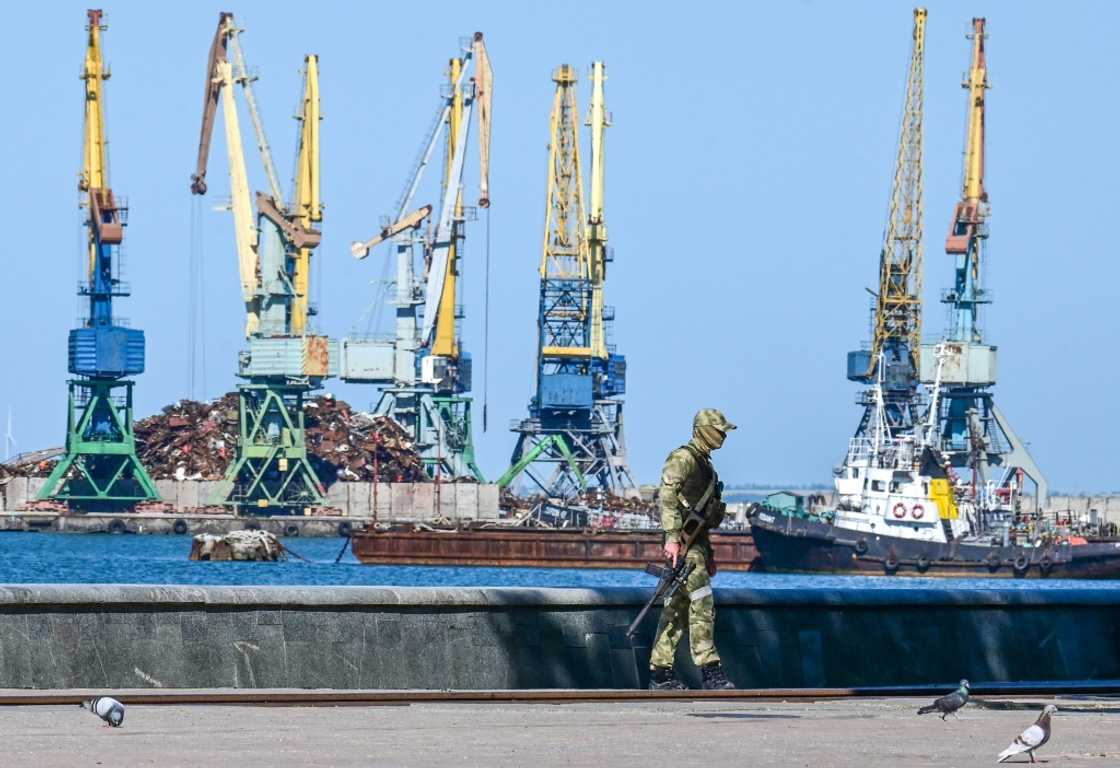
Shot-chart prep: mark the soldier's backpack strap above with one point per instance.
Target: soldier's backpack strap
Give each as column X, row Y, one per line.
column 703, row 460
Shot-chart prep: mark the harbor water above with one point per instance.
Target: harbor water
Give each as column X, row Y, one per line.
column 55, row 558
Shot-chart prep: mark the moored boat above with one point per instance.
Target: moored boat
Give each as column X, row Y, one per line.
column 788, row 542
column 508, row 545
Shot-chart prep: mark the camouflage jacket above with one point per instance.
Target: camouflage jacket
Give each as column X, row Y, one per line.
column 686, row 474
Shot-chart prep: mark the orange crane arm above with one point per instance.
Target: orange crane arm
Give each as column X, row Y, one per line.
column 219, row 52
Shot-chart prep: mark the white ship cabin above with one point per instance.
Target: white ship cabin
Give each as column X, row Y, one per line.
column 880, row 490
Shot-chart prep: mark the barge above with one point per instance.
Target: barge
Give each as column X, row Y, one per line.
column 518, row 546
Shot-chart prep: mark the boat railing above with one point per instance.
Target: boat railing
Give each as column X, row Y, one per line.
column 888, row 453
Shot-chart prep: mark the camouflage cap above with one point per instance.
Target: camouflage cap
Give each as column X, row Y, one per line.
column 712, row 417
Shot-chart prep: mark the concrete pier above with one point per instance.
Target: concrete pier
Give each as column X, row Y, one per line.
column 861, row 733
column 348, row 504
column 63, row 636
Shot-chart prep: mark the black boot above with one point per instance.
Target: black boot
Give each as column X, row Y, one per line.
column 663, row 679
column 714, row 677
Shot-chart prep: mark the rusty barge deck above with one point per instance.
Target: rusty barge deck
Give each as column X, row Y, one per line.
column 536, row 547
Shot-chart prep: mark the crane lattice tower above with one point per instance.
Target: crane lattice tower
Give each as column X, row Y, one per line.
column 574, row 433
column 893, row 356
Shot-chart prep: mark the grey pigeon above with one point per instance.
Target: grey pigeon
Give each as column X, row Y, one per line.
column 949, row 703
column 107, row 708
column 1032, row 738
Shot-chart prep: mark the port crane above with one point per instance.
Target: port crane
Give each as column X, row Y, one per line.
column 284, row 360
column 574, row 431
column 893, row 404
column 974, row 433
column 100, row 470
column 424, row 371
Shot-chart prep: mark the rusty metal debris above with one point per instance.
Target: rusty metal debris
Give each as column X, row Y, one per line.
column 190, row 440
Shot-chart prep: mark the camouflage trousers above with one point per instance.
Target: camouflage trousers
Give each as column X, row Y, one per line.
column 694, row 606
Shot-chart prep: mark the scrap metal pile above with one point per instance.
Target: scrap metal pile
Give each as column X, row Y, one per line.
column 594, row 508
column 34, row 464
column 196, row 441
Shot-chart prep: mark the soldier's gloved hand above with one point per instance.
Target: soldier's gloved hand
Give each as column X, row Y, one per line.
column 673, row 551
column 710, row 564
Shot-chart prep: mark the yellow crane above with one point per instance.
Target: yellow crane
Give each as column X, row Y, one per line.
column 596, row 237
column 283, row 361
column 308, row 208
column 100, row 469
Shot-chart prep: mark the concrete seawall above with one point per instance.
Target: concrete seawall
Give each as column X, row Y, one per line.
column 66, row 636
column 354, row 504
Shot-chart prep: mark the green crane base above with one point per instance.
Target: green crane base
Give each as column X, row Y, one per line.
column 271, row 473
column 100, row 471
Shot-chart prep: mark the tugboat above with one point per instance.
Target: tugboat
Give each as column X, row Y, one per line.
column 900, row 511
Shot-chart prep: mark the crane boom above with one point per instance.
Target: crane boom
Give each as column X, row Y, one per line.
column 95, row 171
column 244, row 229
column 484, row 87
column 898, row 311
column 967, row 230
column 219, row 52
column 308, row 208
column 360, row 250
column 596, row 224
column 438, row 325
column 242, row 76
column 565, row 335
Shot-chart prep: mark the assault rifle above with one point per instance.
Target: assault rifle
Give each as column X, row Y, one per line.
column 672, row 578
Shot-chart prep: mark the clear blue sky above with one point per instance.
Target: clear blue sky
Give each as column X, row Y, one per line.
column 748, row 171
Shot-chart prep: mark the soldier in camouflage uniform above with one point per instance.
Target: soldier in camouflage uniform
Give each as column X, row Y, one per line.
column 684, row 480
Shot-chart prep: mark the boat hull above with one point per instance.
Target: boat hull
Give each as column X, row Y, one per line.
column 536, row 547
column 797, row 545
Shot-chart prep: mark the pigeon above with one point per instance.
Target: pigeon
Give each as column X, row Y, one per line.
column 107, row 708
column 1032, row 738
column 949, row 703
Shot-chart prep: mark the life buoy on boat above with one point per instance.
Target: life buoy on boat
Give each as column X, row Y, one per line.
column 917, row 511
column 899, row 510
column 1045, row 564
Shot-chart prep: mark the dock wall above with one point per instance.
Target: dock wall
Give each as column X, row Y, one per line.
column 68, row 636
column 385, row 502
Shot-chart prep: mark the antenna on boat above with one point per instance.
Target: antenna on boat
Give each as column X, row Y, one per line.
column 880, row 409
column 930, row 432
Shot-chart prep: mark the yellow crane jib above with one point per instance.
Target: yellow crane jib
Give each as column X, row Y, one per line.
column 596, row 237
column 94, row 174
column 94, row 171
column 970, row 211
column 413, row 220
column 308, row 207
column 898, row 310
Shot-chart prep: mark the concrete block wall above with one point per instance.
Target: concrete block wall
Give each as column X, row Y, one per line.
column 112, row 636
column 393, row 501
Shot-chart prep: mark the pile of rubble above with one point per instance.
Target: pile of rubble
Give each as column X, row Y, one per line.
column 347, row 445
column 196, row 441
column 189, row 440
column 35, row 464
